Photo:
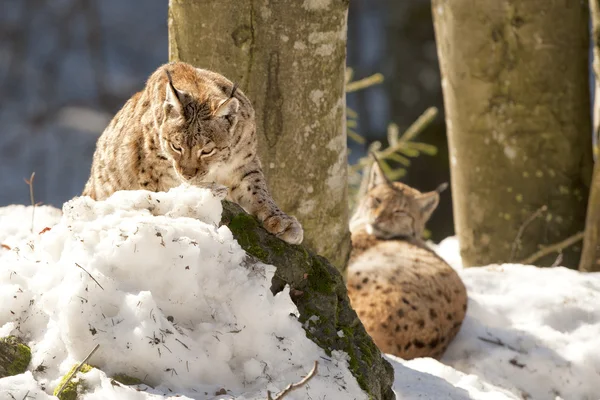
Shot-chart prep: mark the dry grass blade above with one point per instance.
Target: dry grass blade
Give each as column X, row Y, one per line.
column 30, row 183
column 76, row 370
column 90, row 275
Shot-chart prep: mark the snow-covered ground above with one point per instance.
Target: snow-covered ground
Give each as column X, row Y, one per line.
column 167, row 295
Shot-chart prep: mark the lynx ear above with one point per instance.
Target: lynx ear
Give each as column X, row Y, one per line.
column 376, row 176
column 174, row 99
column 427, row 203
column 227, row 107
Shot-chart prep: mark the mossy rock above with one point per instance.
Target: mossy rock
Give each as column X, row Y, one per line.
column 14, row 356
column 127, row 380
column 319, row 292
column 75, row 386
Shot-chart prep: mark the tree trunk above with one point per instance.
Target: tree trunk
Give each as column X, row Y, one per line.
column 289, row 58
column 515, row 84
column 590, row 255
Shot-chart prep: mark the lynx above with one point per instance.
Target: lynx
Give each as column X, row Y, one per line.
column 193, row 126
column 410, row 301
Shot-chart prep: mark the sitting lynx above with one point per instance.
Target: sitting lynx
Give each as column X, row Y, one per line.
column 193, row 126
column 410, row 301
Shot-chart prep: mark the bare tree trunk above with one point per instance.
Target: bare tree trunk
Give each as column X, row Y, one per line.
column 514, row 78
column 590, row 255
column 289, row 58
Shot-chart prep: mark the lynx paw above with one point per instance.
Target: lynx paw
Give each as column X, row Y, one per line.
column 285, row 227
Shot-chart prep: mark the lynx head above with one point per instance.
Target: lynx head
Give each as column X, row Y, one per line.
column 198, row 121
column 392, row 209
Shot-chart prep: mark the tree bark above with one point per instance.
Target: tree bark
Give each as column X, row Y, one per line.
column 514, row 78
column 590, row 255
column 289, row 58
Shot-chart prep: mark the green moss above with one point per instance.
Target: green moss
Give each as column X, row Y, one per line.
column 22, row 357
column 127, row 380
column 75, row 385
column 243, row 226
column 317, row 290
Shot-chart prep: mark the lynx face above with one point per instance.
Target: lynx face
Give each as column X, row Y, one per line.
column 393, row 210
column 196, row 134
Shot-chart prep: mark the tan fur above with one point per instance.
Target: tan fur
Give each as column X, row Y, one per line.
column 188, row 125
column 410, row 301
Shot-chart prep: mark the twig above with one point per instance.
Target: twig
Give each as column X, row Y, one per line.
column 558, row 260
column 30, row 183
column 364, row 83
column 90, row 275
column 418, row 126
column 556, row 247
column 76, row 370
column 499, row 342
column 517, row 242
column 293, row 386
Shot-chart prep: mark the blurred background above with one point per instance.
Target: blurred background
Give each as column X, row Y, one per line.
column 67, row 66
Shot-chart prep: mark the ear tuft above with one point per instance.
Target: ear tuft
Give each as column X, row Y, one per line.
column 227, row 107
column 376, row 175
column 442, row 187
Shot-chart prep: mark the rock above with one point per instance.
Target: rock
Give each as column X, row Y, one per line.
column 14, row 356
column 128, row 380
column 319, row 292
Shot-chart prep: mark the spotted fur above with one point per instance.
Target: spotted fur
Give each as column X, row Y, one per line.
column 410, row 301
column 193, row 126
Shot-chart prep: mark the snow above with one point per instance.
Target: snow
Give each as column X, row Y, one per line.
column 167, row 294
column 533, row 331
column 172, row 300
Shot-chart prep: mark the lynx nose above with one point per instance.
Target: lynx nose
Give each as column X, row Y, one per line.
column 189, row 173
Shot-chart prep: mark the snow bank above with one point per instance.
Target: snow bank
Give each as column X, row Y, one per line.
column 533, row 331
column 169, row 298
column 167, row 295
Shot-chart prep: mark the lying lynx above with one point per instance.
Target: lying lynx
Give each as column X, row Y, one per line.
column 410, row 301
column 193, row 126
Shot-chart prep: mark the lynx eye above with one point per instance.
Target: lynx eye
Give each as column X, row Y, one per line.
column 175, row 148
column 207, row 153
column 376, row 201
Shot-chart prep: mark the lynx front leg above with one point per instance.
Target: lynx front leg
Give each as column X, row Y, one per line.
column 252, row 194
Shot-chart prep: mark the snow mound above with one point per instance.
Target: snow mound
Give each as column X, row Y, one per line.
column 533, row 331
column 168, row 296
column 426, row 378
column 15, row 223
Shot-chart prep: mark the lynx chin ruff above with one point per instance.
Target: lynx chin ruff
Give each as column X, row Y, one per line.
column 192, row 126
column 410, row 301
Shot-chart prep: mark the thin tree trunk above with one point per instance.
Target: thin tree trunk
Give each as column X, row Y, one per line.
column 516, row 96
column 590, row 255
column 289, row 58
